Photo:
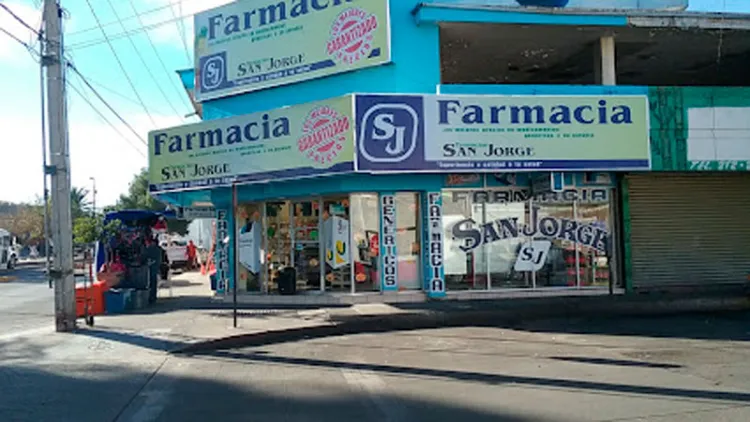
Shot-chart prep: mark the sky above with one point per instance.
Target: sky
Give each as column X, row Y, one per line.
column 96, row 148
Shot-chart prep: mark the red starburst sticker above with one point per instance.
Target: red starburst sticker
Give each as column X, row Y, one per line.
column 324, row 134
column 351, row 35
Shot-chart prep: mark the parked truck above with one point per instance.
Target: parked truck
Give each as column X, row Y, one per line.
column 8, row 253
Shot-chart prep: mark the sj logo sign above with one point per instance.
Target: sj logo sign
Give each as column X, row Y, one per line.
column 390, row 132
column 532, row 255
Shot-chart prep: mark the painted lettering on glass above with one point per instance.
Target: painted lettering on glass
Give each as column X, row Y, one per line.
column 474, row 236
column 388, row 242
column 435, row 242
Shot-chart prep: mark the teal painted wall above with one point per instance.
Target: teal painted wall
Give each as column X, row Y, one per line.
column 670, row 126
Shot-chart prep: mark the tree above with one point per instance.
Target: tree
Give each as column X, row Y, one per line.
column 86, row 230
column 139, row 198
column 26, row 222
column 79, row 203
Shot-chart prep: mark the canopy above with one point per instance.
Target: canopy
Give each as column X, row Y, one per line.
column 136, row 217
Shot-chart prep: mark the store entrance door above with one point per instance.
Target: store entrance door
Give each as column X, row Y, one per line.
column 306, row 250
column 278, row 234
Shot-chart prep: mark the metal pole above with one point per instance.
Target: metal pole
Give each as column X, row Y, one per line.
column 575, row 244
column 234, row 233
column 93, row 194
column 45, row 193
column 62, row 231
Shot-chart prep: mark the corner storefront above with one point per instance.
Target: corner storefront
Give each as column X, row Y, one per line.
column 486, row 187
column 412, row 193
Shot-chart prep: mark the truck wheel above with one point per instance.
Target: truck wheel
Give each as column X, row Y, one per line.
column 12, row 264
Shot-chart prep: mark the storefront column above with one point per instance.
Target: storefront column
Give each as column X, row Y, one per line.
column 605, row 61
column 432, row 245
column 388, row 252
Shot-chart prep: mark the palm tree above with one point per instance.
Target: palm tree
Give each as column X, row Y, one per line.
column 79, row 203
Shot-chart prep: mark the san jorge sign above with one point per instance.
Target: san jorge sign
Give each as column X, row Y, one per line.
column 501, row 133
column 255, row 44
column 299, row 141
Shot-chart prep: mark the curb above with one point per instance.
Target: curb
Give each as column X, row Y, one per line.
column 511, row 312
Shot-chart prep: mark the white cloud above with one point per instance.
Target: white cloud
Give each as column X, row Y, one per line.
column 10, row 51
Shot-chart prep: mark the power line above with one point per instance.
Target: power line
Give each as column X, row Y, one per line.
column 91, row 43
column 70, row 65
column 84, row 98
column 145, row 12
column 16, row 17
column 119, row 62
column 181, row 29
column 23, row 43
column 170, row 76
column 71, row 59
column 83, row 78
column 99, row 96
column 145, row 65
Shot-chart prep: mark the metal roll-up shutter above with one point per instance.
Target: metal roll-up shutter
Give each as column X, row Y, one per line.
column 688, row 230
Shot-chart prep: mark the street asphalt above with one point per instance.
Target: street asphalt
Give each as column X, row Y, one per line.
column 26, row 301
column 678, row 368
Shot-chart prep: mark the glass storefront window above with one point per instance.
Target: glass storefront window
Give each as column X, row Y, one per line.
column 598, row 264
column 502, row 238
column 278, row 236
column 365, row 235
column 337, row 239
column 408, row 241
column 465, row 265
column 305, row 242
column 501, row 254
column 249, row 250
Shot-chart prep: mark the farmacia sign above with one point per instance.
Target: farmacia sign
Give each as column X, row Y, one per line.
column 256, row 44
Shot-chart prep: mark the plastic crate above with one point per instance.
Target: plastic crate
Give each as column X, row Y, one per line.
column 118, row 301
column 94, row 295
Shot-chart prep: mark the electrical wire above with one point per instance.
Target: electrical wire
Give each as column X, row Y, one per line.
column 35, row 54
column 145, row 65
column 17, row 18
column 181, row 29
column 101, row 115
column 69, row 64
column 137, row 15
column 119, row 62
column 169, row 74
column 90, row 43
column 99, row 96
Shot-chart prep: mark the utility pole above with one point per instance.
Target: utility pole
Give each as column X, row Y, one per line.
column 59, row 169
column 93, row 194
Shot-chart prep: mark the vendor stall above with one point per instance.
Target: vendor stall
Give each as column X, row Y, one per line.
column 130, row 257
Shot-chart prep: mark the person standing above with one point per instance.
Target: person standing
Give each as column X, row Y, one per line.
column 192, row 253
column 154, row 258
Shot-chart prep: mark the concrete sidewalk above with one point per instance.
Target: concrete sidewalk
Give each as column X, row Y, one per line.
column 189, row 319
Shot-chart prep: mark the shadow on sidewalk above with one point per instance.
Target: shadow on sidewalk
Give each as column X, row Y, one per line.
column 207, row 303
column 718, row 326
column 487, row 378
column 133, row 339
column 105, row 392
